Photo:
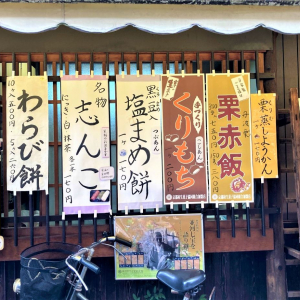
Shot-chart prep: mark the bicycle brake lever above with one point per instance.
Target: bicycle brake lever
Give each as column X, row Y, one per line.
column 105, row 234
column 115, row 249
column 76, row 272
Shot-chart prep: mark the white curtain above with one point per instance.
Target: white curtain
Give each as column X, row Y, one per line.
column 154, row 18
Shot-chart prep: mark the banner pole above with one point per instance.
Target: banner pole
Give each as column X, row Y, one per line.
column 63, row 217
column 152, row 64
column 232, row 220
column 122, row 62
column 202, row 212
column 187, row 206
column 110, row 220
column 95, row 225
column 92, row 66
column 47, row 217
column 31, row 218
column 168, row 63
column 227, row 62
column 248, row 219
column 15, row 219
column 263, row 220
column 79, row 227
column 217, row 216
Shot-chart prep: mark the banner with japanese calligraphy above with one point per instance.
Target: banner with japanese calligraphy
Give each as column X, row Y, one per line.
column 85, row 144
column 184, row 142
column 264, row 142
column 27, row 133
column 139, row 142
column 158, row 242
column 229, row 137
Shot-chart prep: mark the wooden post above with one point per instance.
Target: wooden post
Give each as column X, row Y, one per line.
column 275, row 260
column 295, row 128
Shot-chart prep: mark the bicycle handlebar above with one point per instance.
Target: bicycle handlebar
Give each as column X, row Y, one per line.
column 91, row 266
column 123, row 242
column 79, row 256
column 114, row 239
column 101, row 241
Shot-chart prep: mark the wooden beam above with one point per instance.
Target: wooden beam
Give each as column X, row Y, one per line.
column 10, row 252
column 128, row 57
column 293, row 294
column 292, row 262
column 283, row 111
column 285, row 140
column 226, row 243
column 287, row 170
column 212, row 244
column 291, row 230
column 290, row 200
column 293, row 252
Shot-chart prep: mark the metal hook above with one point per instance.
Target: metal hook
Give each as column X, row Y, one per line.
column 61, row 68
column 122, row 61
column 13, row 62
column 227, row 61
column 168, row 62
column 92, row 62
column 29, row 64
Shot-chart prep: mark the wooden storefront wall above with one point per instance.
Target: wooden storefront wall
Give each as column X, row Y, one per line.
column 236, row 275
column 288, row 76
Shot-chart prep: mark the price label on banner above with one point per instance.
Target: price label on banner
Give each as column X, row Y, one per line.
column 240, row 88
column 107, row 173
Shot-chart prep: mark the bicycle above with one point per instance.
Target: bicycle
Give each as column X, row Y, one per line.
column 184, row 282
column 76, row 264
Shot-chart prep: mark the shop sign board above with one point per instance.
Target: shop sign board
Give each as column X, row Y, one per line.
column 139, row 142
column 184, row 139
column 27, row 133
column 229, row 137
column 85, row 144
column 264, row 140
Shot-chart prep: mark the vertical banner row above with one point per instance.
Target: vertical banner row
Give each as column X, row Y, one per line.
column 139, row 142
column 27, row 133
column 184, row 143
column 229, row 138
column 153, row 167
column 85, row 144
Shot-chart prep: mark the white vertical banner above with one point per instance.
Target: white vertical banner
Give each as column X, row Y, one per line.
column 85, row 144
column 139, row 142
column 27, row 133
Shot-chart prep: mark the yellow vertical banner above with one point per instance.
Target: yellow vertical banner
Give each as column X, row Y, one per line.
column 229, row 137
column 264, row 144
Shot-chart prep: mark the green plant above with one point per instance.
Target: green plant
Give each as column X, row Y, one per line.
column 135, row 297
column 157, row 294
column 203, row 297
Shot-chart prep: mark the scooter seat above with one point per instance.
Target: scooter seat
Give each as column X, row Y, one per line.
column 181, row 281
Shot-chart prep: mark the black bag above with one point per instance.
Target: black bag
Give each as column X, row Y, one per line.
column 43, row 271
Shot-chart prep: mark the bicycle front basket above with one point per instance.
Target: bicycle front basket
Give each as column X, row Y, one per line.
column 43, row 271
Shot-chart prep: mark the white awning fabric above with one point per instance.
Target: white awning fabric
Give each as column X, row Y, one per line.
column 153, row 18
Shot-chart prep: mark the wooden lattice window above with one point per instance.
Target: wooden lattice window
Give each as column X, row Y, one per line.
column 110, row 64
